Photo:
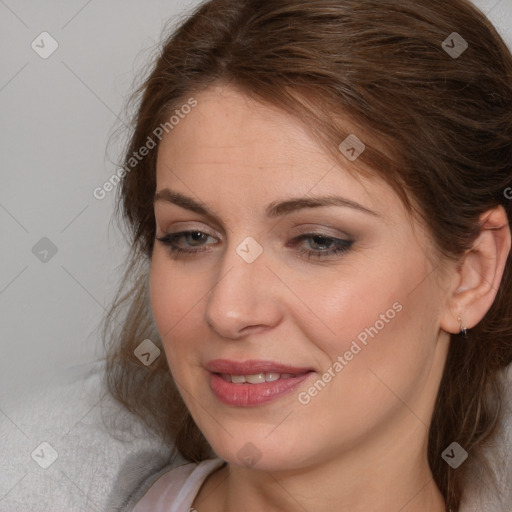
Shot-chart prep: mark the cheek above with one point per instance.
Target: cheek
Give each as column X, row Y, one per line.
column 380, row 320
column 347, row 306
column 379, row 330
column 175, row 301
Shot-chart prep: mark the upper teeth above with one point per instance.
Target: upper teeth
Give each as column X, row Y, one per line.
column 256, row 378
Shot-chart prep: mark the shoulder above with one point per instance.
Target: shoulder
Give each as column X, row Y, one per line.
column 176, row 489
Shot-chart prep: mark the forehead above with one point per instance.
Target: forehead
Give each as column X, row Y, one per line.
column 232, row 133
column 233, row 149
column 228, row 127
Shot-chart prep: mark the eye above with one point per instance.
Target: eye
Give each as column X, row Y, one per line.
column 191, row 238
column 321, row 245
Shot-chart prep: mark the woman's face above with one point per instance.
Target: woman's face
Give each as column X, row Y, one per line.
column 331, row 310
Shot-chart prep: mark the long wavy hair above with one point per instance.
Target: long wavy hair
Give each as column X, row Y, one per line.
column 443, row 121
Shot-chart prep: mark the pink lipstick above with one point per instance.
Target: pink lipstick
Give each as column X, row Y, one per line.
column 253, row 382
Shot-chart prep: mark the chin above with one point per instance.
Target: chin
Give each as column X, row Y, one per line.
column 283, row 452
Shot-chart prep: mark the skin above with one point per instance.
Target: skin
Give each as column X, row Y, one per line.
column 361, row 443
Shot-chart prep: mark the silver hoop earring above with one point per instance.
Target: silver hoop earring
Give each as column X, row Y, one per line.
column 463, row 329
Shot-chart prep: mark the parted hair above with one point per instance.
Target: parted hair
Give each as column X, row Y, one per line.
column 437, row 125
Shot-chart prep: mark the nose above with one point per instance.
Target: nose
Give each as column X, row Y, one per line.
column 245, row 297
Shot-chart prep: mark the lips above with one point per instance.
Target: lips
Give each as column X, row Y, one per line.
column 252, row 383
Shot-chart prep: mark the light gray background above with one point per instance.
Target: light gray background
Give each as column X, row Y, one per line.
column 57, row 115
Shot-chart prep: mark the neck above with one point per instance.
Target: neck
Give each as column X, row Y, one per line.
column 386, row 475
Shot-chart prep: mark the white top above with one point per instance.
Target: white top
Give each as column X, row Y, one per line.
column 176, row 489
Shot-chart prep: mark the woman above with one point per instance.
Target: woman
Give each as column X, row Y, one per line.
column 317, row 197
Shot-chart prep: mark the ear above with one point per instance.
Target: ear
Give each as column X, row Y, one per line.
column 478, row 275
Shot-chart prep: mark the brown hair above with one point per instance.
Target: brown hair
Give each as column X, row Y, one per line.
column 444, row 122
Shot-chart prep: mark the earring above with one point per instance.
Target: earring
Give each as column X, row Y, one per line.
column 463, row 330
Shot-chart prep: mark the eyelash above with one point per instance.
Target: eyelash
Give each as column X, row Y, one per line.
column 340, row 246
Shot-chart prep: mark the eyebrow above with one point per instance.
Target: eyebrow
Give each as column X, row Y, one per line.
column 274, row 209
